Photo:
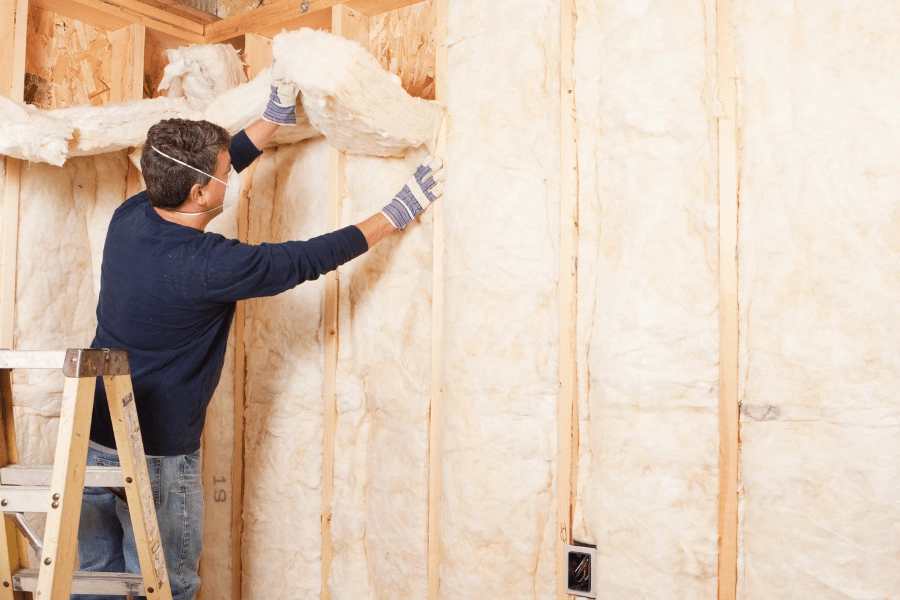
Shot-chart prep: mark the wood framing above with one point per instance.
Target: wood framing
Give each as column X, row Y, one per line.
column 13, row 553
column 270, row 19
column 568, row 280
column 351, row 25
column 164, row 28
column 376, row 7
column 10, row 244
column 728, row 306
column 15, row 19
column 435, row 446
column 127, row 81
column 13, row 27
column 257, row 56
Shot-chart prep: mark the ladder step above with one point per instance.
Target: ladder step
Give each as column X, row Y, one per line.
column 24, row 498
column 32, row 359
column 42, row 474
column 84, row 582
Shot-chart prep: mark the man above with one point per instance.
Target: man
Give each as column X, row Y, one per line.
column 167, row 296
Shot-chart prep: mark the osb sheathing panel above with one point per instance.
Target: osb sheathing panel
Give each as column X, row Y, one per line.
column 155, row 61
column 403, row 42
column 67, row 62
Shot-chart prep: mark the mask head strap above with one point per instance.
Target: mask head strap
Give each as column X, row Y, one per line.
column 158, row 151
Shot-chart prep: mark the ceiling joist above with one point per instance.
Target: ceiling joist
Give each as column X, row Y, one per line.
column 170, row 24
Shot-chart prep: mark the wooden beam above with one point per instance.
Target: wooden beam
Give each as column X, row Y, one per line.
column 376, row 7
column 10, row 252
column 183, row 10
column 435, row 445
column 127, row 68
column 728, row 307
column 270, row 19
column 15, row 16
column 127, row 81
column 351, row 25
column 257, row 56
column 164, row 28
column 568, row 299
column 12, row 47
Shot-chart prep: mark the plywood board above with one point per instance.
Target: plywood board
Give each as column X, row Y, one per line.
column 403, row 42
column 155, row 61
column 69, row 61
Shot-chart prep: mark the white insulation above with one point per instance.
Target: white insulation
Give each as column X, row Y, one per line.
column 283, row 338
column 357, row 105
column 62, row 225
column 500, row 352
column 820, row 323
column 648, row 343
column 384, row 389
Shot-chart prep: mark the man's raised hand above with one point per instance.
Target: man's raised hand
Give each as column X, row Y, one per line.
column 424, row 187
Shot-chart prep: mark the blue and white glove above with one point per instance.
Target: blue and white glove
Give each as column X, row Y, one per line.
column 424, row 187
column 282, row 103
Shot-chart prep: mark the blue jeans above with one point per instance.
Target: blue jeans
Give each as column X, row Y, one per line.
column 105, row 537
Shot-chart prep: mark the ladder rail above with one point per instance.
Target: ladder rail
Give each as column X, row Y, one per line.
column 23, row 489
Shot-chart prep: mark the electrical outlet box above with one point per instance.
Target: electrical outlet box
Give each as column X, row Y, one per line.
column 581, row 578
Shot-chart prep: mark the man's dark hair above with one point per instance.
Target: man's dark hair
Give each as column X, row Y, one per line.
column 196, row 143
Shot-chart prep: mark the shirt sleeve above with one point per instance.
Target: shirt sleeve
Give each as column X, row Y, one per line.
column 237, row 271
column 242, row 151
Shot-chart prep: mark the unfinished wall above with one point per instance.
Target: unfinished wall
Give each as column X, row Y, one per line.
column 647, row 296
column 818, row 189
column 500, row 322
column 820, row 462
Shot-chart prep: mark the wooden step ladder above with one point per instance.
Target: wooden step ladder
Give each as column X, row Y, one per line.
column 58, row 490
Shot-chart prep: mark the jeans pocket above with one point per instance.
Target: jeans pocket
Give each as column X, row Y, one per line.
column 190, row 473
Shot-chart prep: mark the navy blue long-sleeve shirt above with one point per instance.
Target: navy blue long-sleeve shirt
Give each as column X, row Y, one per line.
column 167, row 296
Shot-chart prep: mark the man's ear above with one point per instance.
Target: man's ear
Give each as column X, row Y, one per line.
column 194, row 195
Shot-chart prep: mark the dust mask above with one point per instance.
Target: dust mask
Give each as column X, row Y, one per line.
column 232, row 189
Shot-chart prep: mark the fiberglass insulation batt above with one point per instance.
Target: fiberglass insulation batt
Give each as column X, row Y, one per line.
column 500, row 354
column 63, row 218
column 819, row 287
column 283, row 337
column 648, row 343
column 647, row 296
column 379, row 528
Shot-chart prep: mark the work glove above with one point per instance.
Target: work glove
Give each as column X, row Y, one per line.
column 282, row 102
column 424, row 187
